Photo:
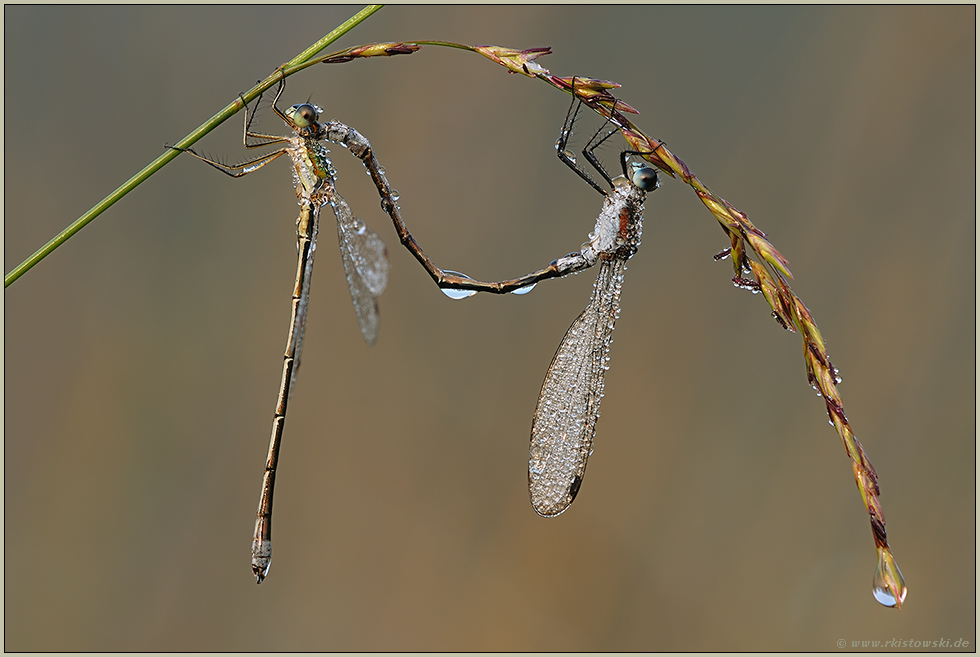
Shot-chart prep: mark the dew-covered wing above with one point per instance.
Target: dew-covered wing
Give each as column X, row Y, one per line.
column 365, row 263
column 568, row 408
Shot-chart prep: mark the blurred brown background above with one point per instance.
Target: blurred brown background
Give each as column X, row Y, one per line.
column 719, row 512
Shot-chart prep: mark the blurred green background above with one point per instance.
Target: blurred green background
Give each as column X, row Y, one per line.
column 142, row 359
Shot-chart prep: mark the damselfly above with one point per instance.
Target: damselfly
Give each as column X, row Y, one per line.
column 568, row 406
column 363, row 253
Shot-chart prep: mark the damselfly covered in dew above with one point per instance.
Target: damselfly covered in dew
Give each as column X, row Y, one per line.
column 568, row 407
column 362, row 251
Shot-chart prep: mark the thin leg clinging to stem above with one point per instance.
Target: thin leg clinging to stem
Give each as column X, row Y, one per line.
column 247, row 167
column 566, row 156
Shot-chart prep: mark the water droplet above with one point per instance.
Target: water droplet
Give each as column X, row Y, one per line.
column 524, row 290
column 570, row 155
column 888, row 572
column 395, row 195
column 457, row 294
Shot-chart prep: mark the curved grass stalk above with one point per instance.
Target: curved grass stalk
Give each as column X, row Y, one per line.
column 768, row 274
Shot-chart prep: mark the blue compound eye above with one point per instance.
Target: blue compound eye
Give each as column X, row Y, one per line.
column 645, row 178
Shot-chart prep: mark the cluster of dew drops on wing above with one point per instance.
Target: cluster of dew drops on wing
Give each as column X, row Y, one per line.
column 604, row 363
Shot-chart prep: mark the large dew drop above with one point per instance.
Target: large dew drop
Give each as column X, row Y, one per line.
column 886, row 572
column 457, row 294
column 523, row 290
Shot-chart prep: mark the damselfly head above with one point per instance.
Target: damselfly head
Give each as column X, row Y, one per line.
column 303, row 115
column 644, row 177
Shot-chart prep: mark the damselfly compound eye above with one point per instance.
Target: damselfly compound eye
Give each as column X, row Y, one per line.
column 645, row 178
column 304, row 115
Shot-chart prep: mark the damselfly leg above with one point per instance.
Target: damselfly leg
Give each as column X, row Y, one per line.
column 566, row 156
